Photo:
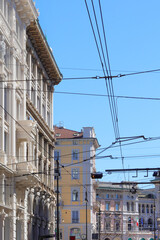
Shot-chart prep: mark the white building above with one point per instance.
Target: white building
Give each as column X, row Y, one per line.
column 28, row 73
column 127, row 216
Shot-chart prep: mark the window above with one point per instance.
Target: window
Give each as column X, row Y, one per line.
column 38, row 103
column 6, row 10
column 7, row 56
column 107, row 206
column 150, row 223
column 151, row 208
column 129, row 224
column 117, row 206
column 141, row 223
column 117, row 196
column 75, row 217
column 117, row 226
column 5, row 103
column 43, row 111
column 75, row 142
column 107, row 195
column 147, row 208
column 33, row 95
column 75, row 154
column 132, row 206
column 5, row 142
column 18, row 110
column 143, row 208
column 108, row 225
column 48, row 118
column 75, row 173
column 128, row 207
column 5, row 192
column 139, row 208
column 75, row 195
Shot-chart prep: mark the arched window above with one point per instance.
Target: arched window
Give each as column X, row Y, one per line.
column 150, row 223
column 107, row 239
column 128, row 207
column 75, row 195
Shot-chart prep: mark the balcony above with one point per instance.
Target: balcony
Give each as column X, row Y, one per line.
column 26, row 130
column 28, row 179
column 75, row 220
column 25, row 167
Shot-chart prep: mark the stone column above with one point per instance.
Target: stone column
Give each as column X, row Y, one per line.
column 3, row 215
column 35, row 85
column 51, row 109
column 13, row 109
column 30, row 76
column 25, row 225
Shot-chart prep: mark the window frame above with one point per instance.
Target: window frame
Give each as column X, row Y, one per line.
column 75, row 173
column 75, row 219
column 75, row 154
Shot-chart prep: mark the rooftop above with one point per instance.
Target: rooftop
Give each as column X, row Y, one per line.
column 62, row 132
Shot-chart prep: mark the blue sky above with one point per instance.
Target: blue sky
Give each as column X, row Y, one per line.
column 133, row 38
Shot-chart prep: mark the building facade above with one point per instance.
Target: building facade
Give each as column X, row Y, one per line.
column 28, row 73
column 124, row 215
column 75, row 152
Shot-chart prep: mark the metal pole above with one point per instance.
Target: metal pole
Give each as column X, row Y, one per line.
column 86, row 216
column 99, row 224
column 154, row 219
column 57, row 199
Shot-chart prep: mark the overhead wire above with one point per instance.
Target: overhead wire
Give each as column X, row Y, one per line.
column 109, row 83
column 87, row 94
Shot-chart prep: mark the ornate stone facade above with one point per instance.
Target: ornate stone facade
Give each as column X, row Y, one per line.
column 27, row 80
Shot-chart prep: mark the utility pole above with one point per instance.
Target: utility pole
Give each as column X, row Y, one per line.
column 86, row 200
column 154, row 212
column 57, row 171
column 99, row 224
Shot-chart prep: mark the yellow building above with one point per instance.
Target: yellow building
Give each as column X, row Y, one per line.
column 76, row 154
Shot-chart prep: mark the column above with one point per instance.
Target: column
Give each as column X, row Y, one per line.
column 30, row 77
column 2, row 111
column 13, row 109
column 3, row 215
column 35, row 85
column 14, row 216
column 25, row 224
column 51, row 108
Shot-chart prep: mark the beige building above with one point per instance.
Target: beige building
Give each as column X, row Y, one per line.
column 28, row 73
column 76, row 154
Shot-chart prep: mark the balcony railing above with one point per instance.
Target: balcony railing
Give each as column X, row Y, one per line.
column 75, row 220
